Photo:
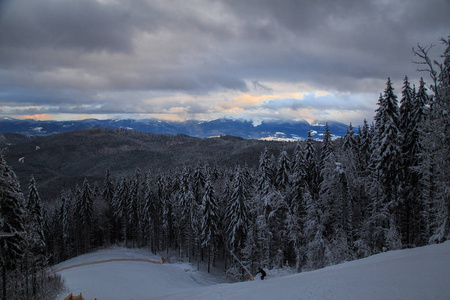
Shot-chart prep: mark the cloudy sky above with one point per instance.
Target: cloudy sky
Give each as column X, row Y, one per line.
column 206, row 59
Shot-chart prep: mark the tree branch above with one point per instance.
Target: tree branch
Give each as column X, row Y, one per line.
column 422, row 52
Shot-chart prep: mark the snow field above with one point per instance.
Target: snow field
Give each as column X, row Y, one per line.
column 420, row 273
column 129, row 280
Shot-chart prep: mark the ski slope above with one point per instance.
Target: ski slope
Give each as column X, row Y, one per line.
column 420, row 273
column 129, row 279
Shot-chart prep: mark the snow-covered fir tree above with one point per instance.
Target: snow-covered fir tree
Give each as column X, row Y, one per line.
column 107, row 198
column 283, row 171
column 349, row 139
column 83, row 217
column 237, row 212
column 198, row 182
column 311, row 167
column 66, row 223
column 412, row 115
column 210, row 220
column 317, row 250
column 12, row 217
column 327, row 144
column 35, row 220
column 335, row 206
column 152, row 213
column 119, row 203
column 35, row 255
column 364, row 146
column 435, row 163
column 385, row 161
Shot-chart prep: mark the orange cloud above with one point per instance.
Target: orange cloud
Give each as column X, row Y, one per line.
column 233, row 110
column 243, row 101
column 249, row 100
column 41, row 117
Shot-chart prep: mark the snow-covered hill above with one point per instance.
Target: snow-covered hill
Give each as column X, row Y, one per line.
column 273, row 130
column 420, row 273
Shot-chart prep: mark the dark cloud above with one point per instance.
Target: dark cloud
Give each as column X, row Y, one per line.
column 82, row 25
column 354, row 38
column 88, row 55
column 261, row 87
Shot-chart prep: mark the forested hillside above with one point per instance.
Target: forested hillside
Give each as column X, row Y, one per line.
column 383, row 186
column 63, row 160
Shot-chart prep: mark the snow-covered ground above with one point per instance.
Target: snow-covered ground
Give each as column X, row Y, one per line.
column 420, row 273
column 130, row 279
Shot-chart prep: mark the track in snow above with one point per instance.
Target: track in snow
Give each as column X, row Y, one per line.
column 105, row 261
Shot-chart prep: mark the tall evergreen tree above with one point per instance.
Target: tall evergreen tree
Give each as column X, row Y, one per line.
column 412, row 112
column 317, row 250
column 166, row 219
column 152, row 212
column 210, row 219
column 327, row 144
column 406, row 105
column 84, row 216
column 385, row 161
column 349, row 139
column 35, row 220
column 35, row 239
column 12, row 217
column 120, row 201
column 265, row 172
column 237, row 212
column 198, row 182
column 66, row 221
column 311, row 167
column 187, row 204
column 364, row 146
column 406, row 128
column 296, row 212
column 107, row 198
column 283, row 171
column 260, row 212
column 435, row 163
column 108, row 188
column 133, row 208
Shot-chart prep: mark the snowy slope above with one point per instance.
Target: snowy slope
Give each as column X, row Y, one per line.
column 129, row 280
column 421, row 273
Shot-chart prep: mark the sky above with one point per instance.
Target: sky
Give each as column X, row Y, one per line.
column 309, row 60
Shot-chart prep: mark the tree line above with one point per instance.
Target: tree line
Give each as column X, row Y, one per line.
column 24, row 256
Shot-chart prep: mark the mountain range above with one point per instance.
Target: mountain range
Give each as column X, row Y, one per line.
column 271, row 130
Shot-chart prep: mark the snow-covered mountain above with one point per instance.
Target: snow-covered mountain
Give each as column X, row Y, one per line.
column 420, row 273
column 272, row 130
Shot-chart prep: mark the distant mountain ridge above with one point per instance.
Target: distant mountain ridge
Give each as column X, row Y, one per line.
column 272, row 130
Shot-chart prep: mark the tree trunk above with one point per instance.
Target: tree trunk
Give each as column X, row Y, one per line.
column 33, row 279
column 4, row 282
column 26, row 275
column 209, row 259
